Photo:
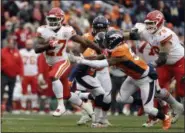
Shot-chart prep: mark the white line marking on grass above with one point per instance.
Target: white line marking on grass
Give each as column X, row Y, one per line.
column 27, row 119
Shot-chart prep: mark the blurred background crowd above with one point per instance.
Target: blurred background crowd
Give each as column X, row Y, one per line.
column 20, row 19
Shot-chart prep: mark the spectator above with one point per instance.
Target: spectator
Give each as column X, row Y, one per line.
column 142, row 9
column 11, row 67
column 127, row 23
column 165, row 9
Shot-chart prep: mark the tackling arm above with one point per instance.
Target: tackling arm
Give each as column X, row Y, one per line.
column 85, row 43
column 98, row 57
column 102, row 63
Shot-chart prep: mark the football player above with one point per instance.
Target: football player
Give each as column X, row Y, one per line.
column 148, row 54
column 170, row 61
column 52, row 40
column 140, row 75
column 100, row 24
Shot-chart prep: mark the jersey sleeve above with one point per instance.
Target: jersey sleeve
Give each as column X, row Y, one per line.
column 88, row 36
column 118, row 52
column 141, row 29
column 164, row 36
column 41, row 32
column 70, row 32
column 89, row 52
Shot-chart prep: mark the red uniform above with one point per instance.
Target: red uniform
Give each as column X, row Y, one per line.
column 29, row 58
column 44, row 70
column 11, row 61
column 57, row 59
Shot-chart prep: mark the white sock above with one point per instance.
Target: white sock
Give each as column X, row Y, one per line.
column 104, row 116
column 34, row 100
column 23, row 101
column 98, row 114
column 75, row 99
column 57, row 89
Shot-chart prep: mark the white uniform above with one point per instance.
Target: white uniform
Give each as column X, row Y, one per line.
column 30, row 61
column 103, row 77
column 62, row 36
column 146, row 51
column 176, row 51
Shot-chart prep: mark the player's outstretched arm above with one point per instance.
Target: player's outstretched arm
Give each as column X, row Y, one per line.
column 41, row 45
column 98, row 57
column 101, row 63
column 131, row 35
column 85, row 43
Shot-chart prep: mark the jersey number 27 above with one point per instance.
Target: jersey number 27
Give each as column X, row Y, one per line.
column 59, row 53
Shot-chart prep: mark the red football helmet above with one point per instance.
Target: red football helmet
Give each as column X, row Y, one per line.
column 154, row 21
column 55, row 18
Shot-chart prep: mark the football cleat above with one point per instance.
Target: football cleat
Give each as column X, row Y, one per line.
column 167, row 122
column 83, row 120
column 59, row 111
column 150, row 123
column 98, row 125
column 177, row 113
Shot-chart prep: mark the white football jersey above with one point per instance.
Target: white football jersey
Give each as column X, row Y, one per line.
column 30, row 62
column 146, row 51
column 176, row 51
column 62, row 35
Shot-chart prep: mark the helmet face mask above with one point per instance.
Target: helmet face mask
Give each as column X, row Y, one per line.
column 151, row 26
column 96, row 30
column 112, row 39
column 100, row 24
column 99, row 39
column 53, row 22
column 154, row 21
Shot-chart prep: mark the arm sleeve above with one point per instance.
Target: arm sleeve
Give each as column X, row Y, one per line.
column 95, row 63
column 70, row 32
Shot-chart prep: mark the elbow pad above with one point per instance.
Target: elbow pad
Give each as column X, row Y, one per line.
column 162, row 59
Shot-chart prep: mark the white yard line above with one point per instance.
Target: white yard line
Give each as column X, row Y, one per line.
column 27, row 119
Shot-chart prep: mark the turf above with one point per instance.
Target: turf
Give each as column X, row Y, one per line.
column 47, row 123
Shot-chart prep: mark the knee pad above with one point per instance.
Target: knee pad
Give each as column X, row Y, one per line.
column 148, row 110
column 99, row 100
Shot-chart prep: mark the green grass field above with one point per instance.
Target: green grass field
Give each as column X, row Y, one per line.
column 47, row 123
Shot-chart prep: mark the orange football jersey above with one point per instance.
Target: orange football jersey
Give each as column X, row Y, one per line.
column 134, row 66
column 89, row 36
